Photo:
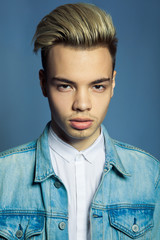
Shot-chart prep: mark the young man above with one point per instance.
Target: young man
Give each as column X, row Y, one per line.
column 75, row 182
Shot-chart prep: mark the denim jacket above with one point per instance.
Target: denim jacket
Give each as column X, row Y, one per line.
column 33, row 200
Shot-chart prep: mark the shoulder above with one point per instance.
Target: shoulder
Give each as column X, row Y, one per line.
column 18, row 151
column 128, row 149
column 138, row 161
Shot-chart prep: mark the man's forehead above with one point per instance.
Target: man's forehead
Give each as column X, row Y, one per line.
column 79, row 64
column 65, row 56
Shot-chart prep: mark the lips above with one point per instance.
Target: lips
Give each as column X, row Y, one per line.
column 81, row 123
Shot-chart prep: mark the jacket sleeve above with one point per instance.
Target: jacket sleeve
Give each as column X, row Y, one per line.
column 156, row 228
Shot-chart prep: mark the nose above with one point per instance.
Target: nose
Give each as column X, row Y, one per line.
column 82, row 101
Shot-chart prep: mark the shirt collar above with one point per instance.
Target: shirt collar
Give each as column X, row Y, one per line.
column 69, row 153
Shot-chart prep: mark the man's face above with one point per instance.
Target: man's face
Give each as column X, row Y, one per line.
column 79, row 85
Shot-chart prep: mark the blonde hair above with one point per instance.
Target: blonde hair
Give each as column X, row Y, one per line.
column 79, row 25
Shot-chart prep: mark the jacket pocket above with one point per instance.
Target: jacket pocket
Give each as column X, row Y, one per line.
column 133, row 221
column 16, row 226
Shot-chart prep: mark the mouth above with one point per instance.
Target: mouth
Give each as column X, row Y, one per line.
column 81, row 123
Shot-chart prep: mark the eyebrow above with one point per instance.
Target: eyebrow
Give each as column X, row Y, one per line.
column 64, row 80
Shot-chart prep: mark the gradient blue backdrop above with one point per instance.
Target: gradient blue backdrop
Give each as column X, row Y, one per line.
column 134, row 113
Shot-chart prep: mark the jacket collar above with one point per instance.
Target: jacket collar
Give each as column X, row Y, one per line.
column 112, row 157
column 44, row 169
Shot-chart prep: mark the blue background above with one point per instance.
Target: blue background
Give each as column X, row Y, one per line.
column 134, row 113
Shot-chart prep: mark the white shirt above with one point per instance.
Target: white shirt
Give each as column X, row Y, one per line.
column 80, row 172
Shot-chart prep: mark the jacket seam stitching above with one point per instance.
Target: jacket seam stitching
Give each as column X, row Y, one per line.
column 129, row 147
column 43, row 214
column 134, row 206
column 2, row 155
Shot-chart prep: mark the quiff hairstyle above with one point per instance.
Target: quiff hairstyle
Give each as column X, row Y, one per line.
column 79, row 25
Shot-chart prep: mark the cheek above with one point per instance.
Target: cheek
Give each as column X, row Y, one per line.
column 58, row 104
column 101, row 105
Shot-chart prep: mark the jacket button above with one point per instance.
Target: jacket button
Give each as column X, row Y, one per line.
column 57, row 184
column 135, row 228
column 62, row 225
column 19, row 233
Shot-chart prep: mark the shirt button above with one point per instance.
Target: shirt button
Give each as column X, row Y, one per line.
column 57, row 184
column 62, row 225
column 135, row 228
column 19, row 233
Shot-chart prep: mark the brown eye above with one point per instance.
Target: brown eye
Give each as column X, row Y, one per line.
column 63, row 87
column 99, row 88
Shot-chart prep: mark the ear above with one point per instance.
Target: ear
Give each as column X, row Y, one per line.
column 113, row 83
column 43, row 82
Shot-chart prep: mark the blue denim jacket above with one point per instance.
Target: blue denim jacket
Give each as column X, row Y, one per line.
column 33, row 200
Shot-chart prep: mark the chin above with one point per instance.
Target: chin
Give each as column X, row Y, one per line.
column 81, row 134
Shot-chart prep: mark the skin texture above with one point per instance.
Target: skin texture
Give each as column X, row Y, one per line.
column 81, row 98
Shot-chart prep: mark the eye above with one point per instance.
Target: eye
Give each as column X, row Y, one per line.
column 99, row 88
column 63, row 87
